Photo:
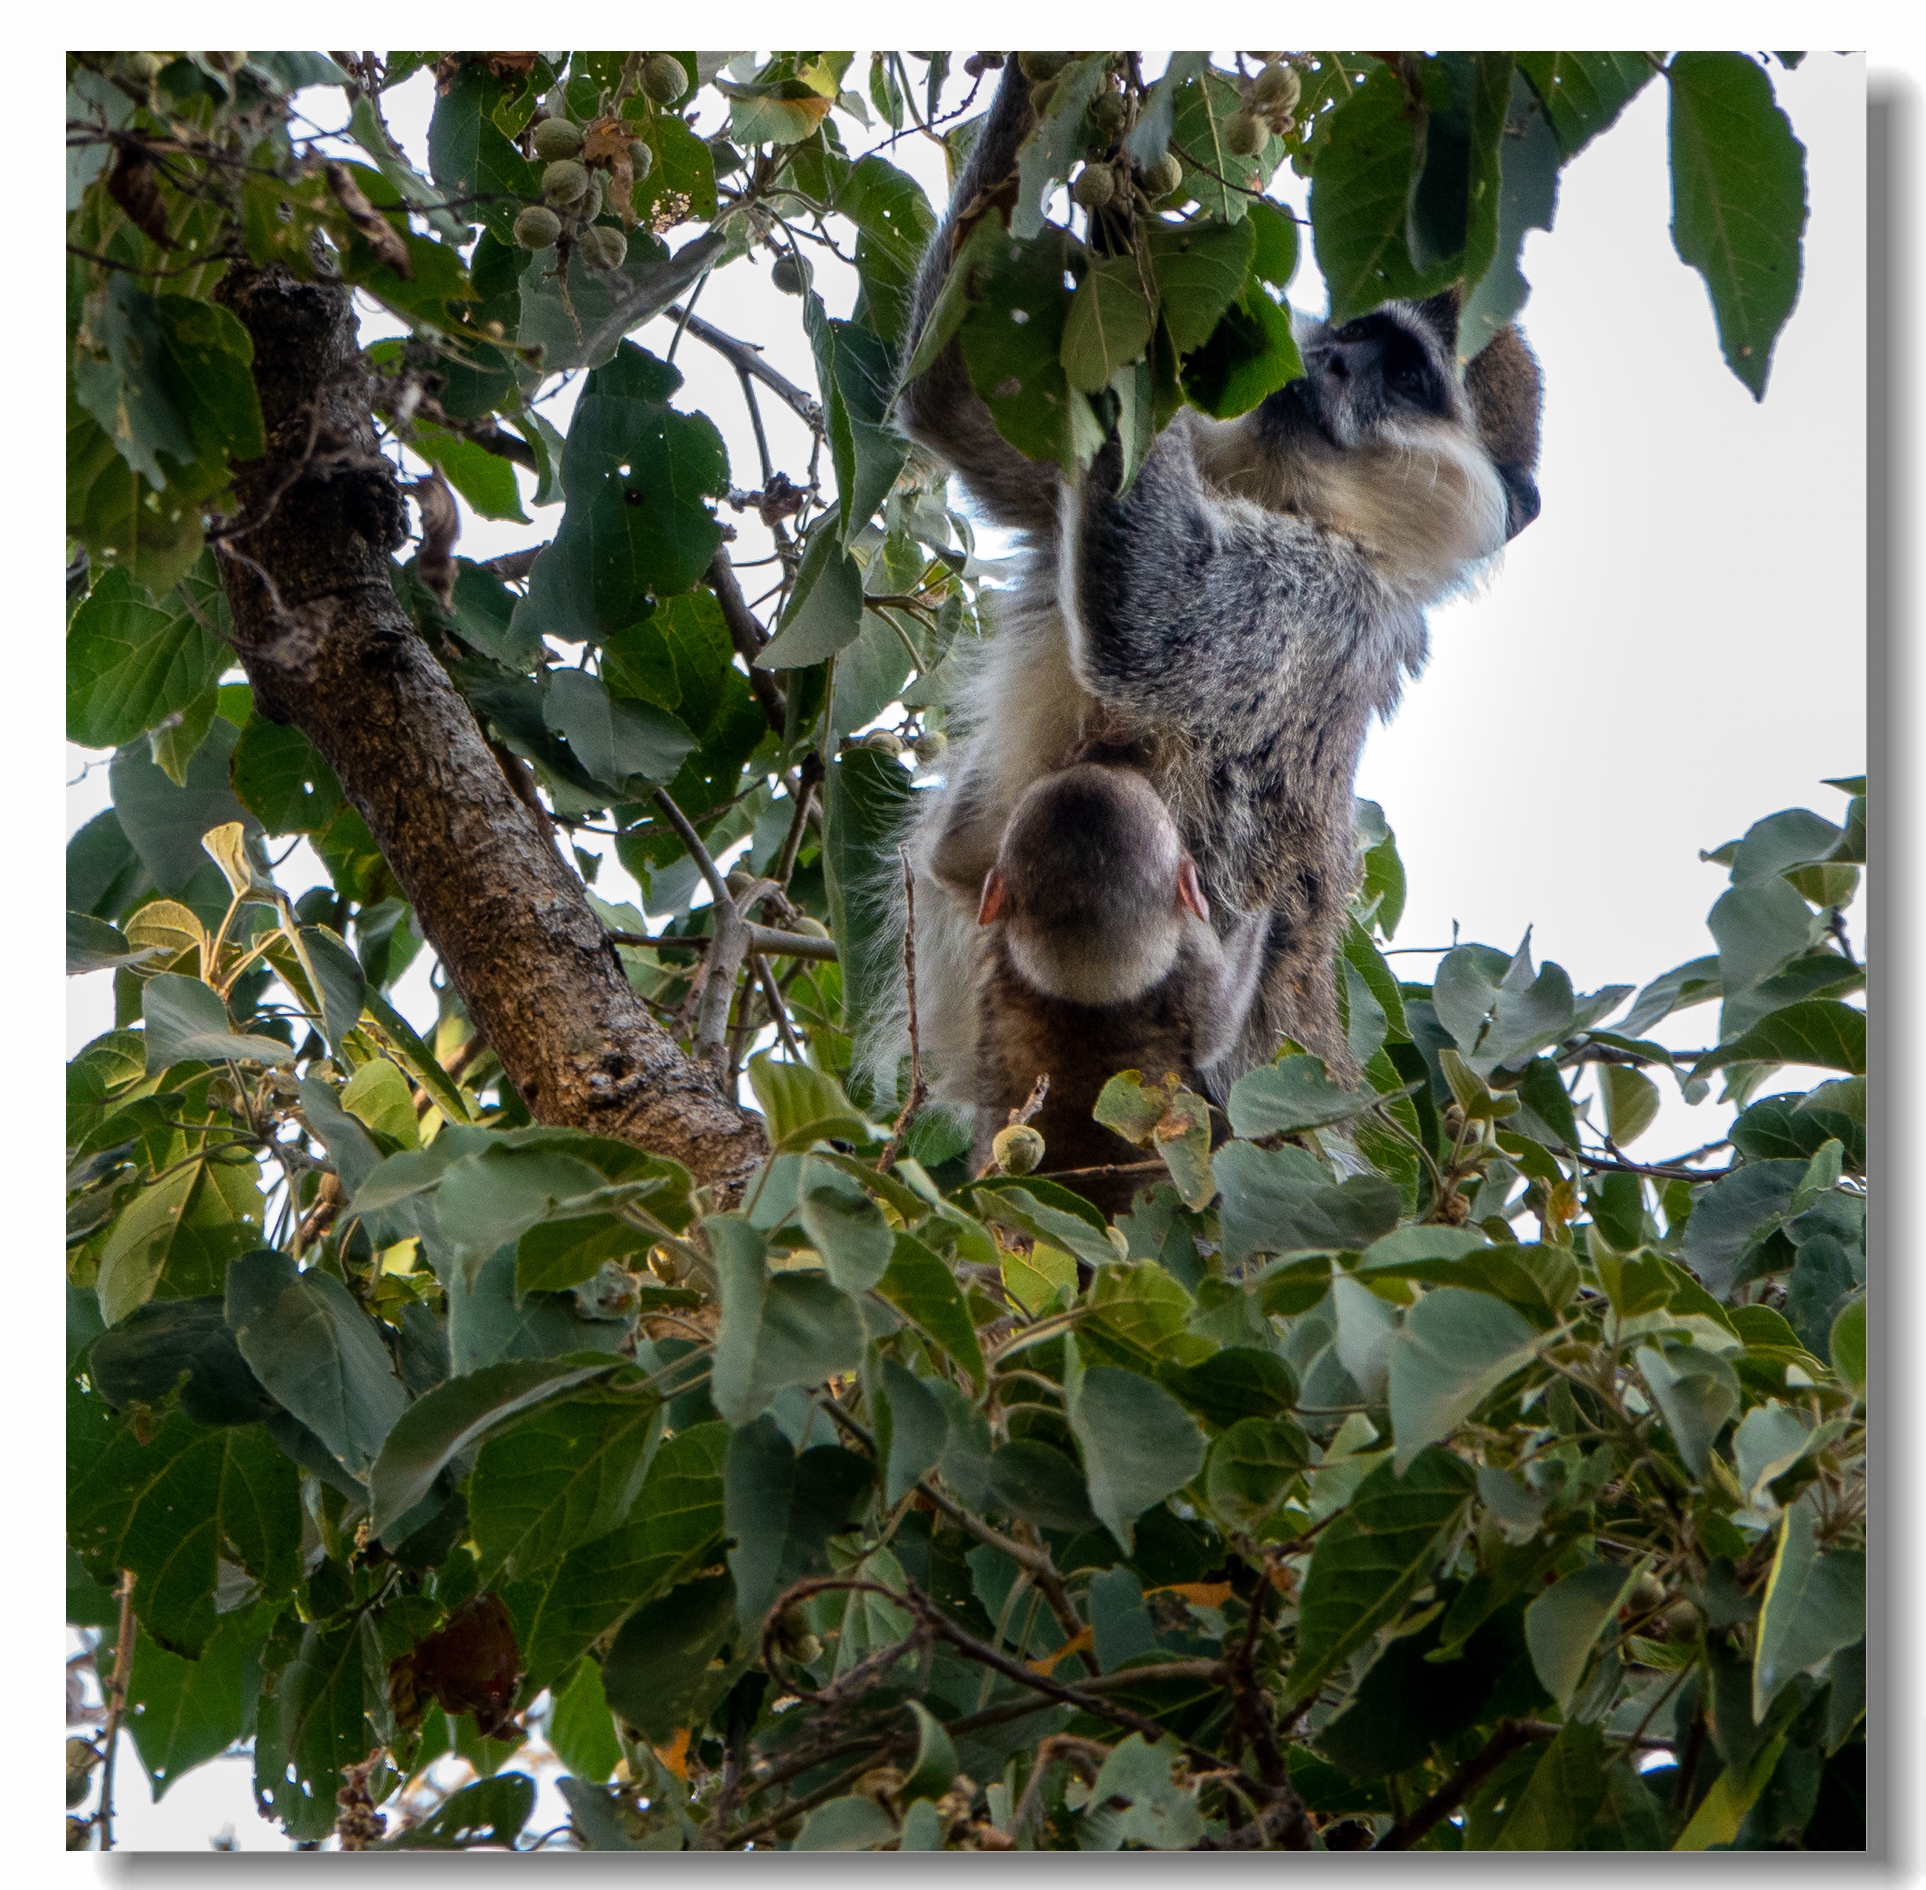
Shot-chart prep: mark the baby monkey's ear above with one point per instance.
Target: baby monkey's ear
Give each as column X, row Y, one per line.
column 990, row 907
column 1506, row 392
column 1190, row 895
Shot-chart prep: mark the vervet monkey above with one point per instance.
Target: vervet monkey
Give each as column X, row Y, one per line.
column 1230, row 625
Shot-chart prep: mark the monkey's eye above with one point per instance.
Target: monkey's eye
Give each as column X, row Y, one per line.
column 1354, row 331
column 1407, row 378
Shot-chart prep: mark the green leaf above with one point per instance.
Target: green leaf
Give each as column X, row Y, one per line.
column 672, row 1531
column 846, row 1824
column 456, row 1415
column 629, row 745
column 782, row 1510
column 185, row 1712
column 1819, row 1031
column 1280, row 1201
column 1563, row 1624
column 656, row 1674
column 1631, row 1102
column 555, row 1255
column 802, row 1104
column 579, row 1727
column 187, row 1023
column 1202, row 114
column 1162, row 1814
column 1108, row 324
column 636, row 527
column 1290, row 1094
column 1238, row 1382
column 934, row 1770
column 1250, row 354
column 850, row 1233
column 1696, row 1391
column 1562, row 1796
column 1055, row 145
column 484, row 479
column 1012, row 340
column 1528, row 161
column 1372, row 1558
column 1848, row 1345
column 1584, row 92
column 1738, row 201
column 1453, row 1349
column 314, row 1724
column 1736, row 1213
column 565, row 1475
column 857, row 373
column 1138, row 1443
column 1251, row 1466
column 175, row 1239
column 180, row 1343
column 167, row 1504
column 489, row 1813
column 1687, row 984
column 825, row 610
column 865, row 798
column 1136, row 1316
column 1815, row 1604
column 130, row 665
column 776, row 1329
column 472, row 159
column 120, row 377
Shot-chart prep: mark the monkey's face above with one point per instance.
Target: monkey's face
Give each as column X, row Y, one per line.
column 1092, row 886
column 1387, row 375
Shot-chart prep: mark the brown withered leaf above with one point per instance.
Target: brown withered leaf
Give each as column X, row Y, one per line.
column 381, row 236
column 512, row 65
column 606, row 143
column 131, row 185
column 470, row 1665
column 440, row 528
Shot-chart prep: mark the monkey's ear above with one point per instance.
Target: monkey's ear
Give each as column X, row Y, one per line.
column 1190, row 895
column 990, row 906
column 1440, row 314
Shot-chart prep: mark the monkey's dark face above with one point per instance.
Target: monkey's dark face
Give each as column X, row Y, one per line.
column 1390, row 371
column 1092, row 885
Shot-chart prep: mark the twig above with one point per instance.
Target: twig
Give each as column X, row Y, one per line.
column 778, row 1010
column 116, row 1708
column 716, row 976
column 512, row 566
column 748, row 636
column 918, row 1090
column 764, row 940
column 746, row 358
column 1511, row 1734
column 808, row 779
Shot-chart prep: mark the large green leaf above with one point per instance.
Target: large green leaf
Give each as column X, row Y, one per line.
column 472, row 158
column 130, row 665
column 825, row 609
column 1293, row 1093
column 925, row 1292
column 1138, row 1443
column 1738, row 201
column 184, row 1712
column 1818, row 1031
column 187, row 1023
column 1108, row 324
column 1198, row 273
column 776, row 1329
column 315, row 1723
column 1562, row 1625
column 1372, row 1557
column 782, row 1509
column 1815, row 1604
column 1584, row 92
column 1281, row 1201
column 565, row 1475
column 1453, row 1349
column 175, row 1239
column 316, row 1352
column 184, row 1343
column 627, row 744
column 656, row 1674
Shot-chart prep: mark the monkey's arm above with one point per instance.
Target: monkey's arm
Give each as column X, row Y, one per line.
column 940, row 409
column 1215, row 615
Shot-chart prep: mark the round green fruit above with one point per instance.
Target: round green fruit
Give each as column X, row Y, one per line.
column 565, row 181
column 1162, row 177
column 537, row 227
column 790, row 274
column 1095, row 186
column 1038, row 66
column 882, row 742
column 663, row 78
column 931, row 746
column 641, row 159
column 1246, row 135
column 1276, row 89
column 1107, row 114
column 604, row 247
column 558, row 138
column 1018, row 1149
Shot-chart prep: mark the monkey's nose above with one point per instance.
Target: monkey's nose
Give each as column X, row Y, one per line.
column 1334, row 366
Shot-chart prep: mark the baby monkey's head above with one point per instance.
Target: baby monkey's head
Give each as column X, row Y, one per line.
column 1092, row 886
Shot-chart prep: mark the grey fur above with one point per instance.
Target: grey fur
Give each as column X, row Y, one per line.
column 1233, row 623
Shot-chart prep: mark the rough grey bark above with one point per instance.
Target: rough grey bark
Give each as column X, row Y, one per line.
column 328, row 647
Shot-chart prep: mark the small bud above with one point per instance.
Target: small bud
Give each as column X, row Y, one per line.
column 1095, row 186
column 565, row 181
column 558, row 138
column 1246, row 135
column 1162, row 177
column 537, row 227
column 930, row 746
column 1038, row 66
column 790, row 274
column 1018, row 1149
column 664, row 78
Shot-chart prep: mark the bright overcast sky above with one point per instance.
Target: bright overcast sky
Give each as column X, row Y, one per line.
column 1675, row 648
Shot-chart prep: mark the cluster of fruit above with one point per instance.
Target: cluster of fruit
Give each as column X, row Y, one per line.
column 1269, row 100
column 575, row 193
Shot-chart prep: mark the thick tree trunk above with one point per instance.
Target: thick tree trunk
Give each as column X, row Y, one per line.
column 328, row 647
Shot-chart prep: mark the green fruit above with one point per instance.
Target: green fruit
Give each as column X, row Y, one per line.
column 1680, row 1621
column 1018, row 1149
column 1276, row 90
column 790, row 274
column 1246, row 135
column 146, row 66
column 1094, row 186
column 882, row 742
column 565, row 181
column 1162, row 177
column 537, row 227
column 1040, row 98
column 810, row 928
column 591, row 205
column 1038, row 66
column 558, row 138
column 1107, row 114
column 1647, row 1592
column 664, row 78
column 930, row 746
column 641, row 159
column 604, row 247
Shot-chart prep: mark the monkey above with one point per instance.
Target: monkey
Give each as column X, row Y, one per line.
column 1099, row 957
column 1232, row 623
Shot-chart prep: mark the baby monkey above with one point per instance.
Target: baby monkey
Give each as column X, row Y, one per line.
column 1100, row 958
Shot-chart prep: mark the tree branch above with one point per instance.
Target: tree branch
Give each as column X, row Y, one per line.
column 328, row 648
column 1511, row 1734
column 748, row 636
column 746, row 358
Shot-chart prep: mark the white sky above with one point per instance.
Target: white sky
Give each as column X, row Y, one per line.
column 1674, row 649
